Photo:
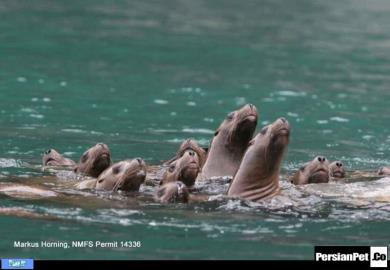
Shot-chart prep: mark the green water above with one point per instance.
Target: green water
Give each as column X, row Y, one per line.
column 141, row 76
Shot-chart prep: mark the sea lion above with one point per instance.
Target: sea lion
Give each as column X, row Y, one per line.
column 315, row 171
column 184, row 169
column 258, row 175
column 384, row 171
column 127, row 175
column 52, row 158
column 336, row 169
column 229, row 143
column 189, row 144
column 20, row 191
column 172, row 192
column 94, row 161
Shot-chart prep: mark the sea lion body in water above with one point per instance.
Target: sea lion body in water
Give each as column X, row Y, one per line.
column 20, row 191
column 184, row 169
column 384, row 171
column 172, row 192
column 52, row 158
column 337, row 169
column 94, row 161
column 230, row 142
column 258, row 175
column 127, row 175
column 315, row 171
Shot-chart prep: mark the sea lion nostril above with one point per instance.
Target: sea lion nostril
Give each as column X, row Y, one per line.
column 283, row 120
column 321, row 159
column 48, row 152
column 192, row 153
column 139, row 160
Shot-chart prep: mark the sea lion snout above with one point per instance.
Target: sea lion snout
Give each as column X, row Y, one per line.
column 321, row 159
column 281, row 126
column 246, row 116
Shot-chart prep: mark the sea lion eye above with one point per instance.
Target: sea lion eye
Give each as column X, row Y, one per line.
column 302, row 168
column 101, row 180
column 230, row 116
column 116, row 169
column 264, row 131
column 216, row 133
column 171, row 168
column 85, row 157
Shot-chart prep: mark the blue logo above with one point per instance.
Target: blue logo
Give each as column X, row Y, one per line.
column 17, row 264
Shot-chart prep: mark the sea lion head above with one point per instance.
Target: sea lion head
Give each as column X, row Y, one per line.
column 237, row 128
column 52, row 158
column 184, row 169
column 337, row 169
column 258, row 175
column 172, row 192
column 187, row 145
column 315, row 171
column 127, row 175
column 229, row 142
column 95, row 160
column 384, row 171
column 193, row 145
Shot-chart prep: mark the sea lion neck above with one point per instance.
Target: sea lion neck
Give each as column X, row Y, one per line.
column 258, row 174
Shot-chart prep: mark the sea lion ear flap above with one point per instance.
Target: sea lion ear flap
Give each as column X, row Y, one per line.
column 264, row 130
column 217, row 131
column 172, row 168
column 251, row 142
column 161, row 192
column 166, row 163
